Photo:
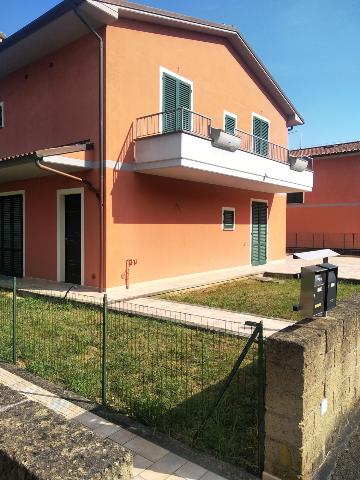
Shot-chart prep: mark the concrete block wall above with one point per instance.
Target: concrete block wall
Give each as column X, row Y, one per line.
column 313, row 386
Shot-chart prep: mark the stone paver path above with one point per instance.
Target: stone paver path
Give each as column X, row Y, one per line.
column 151, row 462
column 205, row 317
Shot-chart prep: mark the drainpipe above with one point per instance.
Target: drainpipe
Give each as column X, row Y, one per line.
column 101, row 145
column 88, row 184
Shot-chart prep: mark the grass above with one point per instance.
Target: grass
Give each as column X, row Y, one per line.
column 164, row 374
column 266, row 298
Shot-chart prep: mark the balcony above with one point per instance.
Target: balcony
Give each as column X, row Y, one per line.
column 183, row 144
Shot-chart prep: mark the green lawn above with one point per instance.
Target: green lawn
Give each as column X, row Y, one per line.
column 268, row 298
column 162, row 373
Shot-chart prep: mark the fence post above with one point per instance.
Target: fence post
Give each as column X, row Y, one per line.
column 261, row 398
column 14, row 313
column 104, row 342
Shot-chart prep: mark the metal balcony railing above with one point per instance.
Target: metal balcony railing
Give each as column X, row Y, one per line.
column 177, row 120
column 264, row 148
column 184, row 120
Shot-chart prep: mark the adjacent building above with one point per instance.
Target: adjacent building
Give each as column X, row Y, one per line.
column 131, row 133
column 329, row 216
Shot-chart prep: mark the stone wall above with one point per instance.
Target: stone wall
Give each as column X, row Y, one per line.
column 313, row 386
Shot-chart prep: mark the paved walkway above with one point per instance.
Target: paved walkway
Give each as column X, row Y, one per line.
column 151, row 462
column 349, row 268
column 206, row 317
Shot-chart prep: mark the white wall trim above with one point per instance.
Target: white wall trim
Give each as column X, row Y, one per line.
column 19, row 192
column 222, row 219
column 254, row 114
column 60, row 246
column 260, row 200
column 230, row 114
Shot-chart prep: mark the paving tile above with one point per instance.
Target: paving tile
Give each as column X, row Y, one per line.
column 140, row 464
column 212, row 476
column 122, row 436
column 147, row 449
column 106, row 430
column 90, row 420
column 189, row 471
column 164, row 468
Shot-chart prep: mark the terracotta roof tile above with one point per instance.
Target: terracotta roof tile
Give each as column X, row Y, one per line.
column 322, row 150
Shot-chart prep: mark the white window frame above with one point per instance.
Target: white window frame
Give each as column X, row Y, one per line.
column 22, row 193
column 231, row 209
column 2, row 107
column 230, row 114
column 60, row 249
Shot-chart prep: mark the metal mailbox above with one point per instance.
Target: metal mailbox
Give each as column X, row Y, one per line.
column 313, row 290
column 330, row 285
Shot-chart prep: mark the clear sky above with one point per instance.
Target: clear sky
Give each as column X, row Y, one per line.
column 311, row 47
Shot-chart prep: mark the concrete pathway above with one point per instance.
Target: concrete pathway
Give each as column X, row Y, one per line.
column 151, row 462
column 206, row 317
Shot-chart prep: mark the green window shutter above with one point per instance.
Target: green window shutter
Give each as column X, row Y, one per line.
column 169, row 103
column 259, row 233
column 184, row 101
column 261, row 136
column 228, row 219
column 176, row 95
column 230, row 124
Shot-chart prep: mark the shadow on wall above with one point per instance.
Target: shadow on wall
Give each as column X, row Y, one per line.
column 139, row 198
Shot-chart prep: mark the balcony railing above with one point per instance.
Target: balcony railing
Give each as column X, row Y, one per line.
column 177, row 120
column 264, row 148
column 184, row 120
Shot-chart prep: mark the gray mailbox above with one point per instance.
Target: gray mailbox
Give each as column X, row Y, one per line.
column 313, row 290
column 330, row 285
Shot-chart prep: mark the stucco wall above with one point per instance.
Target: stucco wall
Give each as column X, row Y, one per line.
column 311, row 362
column 333, row 207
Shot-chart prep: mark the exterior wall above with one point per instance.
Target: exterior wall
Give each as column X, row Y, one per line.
column 40, row 214
column 307, row 366
column 174, row 227
column 332, row 208
column 51, row 102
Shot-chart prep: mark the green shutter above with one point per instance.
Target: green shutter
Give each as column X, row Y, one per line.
column 169, row 103
column 228, row 219
column 176, row 94
column 259, row 233
column 261, row 136
column 230, row 124
column 184, row 101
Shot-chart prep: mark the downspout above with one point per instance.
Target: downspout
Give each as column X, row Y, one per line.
column 101, row 146
column 88, row 184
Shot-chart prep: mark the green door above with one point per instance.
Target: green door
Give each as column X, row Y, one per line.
column 259, row 233
column 176, row 95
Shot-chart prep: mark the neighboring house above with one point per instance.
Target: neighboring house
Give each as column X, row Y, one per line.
column 329, row 216
column 166, row 189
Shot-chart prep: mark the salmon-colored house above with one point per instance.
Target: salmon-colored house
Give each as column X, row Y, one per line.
column 129, row 132
column 329, row 216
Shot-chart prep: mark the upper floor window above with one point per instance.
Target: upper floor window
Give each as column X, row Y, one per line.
column 2, row 117
column 176, row 95
column 296, row 197
column 230, row 122
column 261, row 136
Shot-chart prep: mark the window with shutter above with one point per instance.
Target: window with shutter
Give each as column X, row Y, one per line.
column 261, row 136
column 1, row 114
column 228, row 220
column 176, row 104
column 296, row 197
column 230, row 124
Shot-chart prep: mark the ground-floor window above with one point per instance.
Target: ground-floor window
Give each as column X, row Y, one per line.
column 228, row 218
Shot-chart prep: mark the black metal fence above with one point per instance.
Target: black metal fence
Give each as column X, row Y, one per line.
column 315, row 240
column 198, row 380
